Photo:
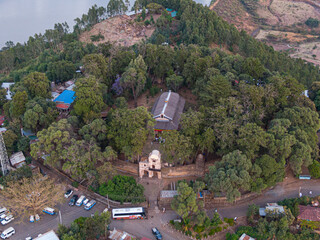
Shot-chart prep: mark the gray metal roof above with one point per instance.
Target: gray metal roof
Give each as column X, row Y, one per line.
column 51, row 235
column 168, row 106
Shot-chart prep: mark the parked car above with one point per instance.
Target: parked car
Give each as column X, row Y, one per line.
column 31, row 219
column 90, row 205
column 7, row 233
column 156, row 233
column 3, row 216
column 3, row 210
column 37, row 217
column 73, row 200
column 85, row 202
column 80, row 200
column 7, row 220
column 28, row 238
column 68, row 193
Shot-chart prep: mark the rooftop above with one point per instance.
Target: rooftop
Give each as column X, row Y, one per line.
column 245, row 237
column 309, row 213
column 51, row 235
column 17, row 158
column 120, row 235
column 7, row 85
column 66, row 97
column 168, row 193
column 167, row 111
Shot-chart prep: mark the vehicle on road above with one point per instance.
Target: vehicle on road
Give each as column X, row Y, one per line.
column 7, row 233
column 31, row 219
column 73, row 200
column 68, row 193
column 156, row 233
column 129, row 213
column 90, row 205
column 7, row 220
column 48, row 210
column 37, row 217
column 80, row 200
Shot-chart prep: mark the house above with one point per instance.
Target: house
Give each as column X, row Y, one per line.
column 65, row 99
column 309, row 213
column 17, row 160
column 272, row 208
column 51, row 235
column 167, row 111
column 120, row 235
column 245, row 237
column 6, row 85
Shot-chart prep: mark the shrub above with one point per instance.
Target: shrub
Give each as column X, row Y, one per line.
column 75, row 184
column 96, row 38
column 147, row 22
column 230, row 221
column 154, row 91
column 312, row 22
column 123, row 189
column 314, row 169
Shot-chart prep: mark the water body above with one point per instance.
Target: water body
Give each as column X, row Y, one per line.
column 20, row 19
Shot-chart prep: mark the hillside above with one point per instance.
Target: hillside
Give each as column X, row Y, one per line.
column 279, row 23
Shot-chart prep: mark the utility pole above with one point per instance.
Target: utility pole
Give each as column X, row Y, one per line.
column 108, row 201
column 60, row 217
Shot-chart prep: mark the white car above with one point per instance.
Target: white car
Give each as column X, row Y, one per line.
column 85, row 201
column 3, row 216
column 37, row 217
column 68, row 193
column 7, row 220
column 31, row 219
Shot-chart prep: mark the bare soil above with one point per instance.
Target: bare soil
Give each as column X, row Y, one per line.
column 122, row 30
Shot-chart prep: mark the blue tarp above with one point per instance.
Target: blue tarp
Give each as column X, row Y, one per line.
column 67, row 97
column 172, row 13
column 169, row 9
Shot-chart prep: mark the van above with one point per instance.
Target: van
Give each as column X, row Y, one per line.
column 80, row 200
column 90, row 205
column 7, row 233
column 3, row 210
column 49, row 211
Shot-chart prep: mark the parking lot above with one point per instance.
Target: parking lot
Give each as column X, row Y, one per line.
column 48, row 222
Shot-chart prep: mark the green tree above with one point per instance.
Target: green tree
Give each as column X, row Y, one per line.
column 185, row 203
column 37, row 84
column 134, row 77
column 18, row 104
column 60, row 71
column 116, row 7
column 3, row 98
column 177, row 148
column 96, row 130
column 53, row 143
column 314, row 169
column 10, row 140
column 24, row 144
column 96, row 65
column 230, row 175
column 89, row 100
column 253, row 67
column 217, row 87
column 174, row 82
column 128, row 130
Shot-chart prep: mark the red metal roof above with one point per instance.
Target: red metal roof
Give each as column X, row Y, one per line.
column 62, row 106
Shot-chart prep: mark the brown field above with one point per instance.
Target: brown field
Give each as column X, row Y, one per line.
column 280, row 36
column 308, row 51
column 122, row 30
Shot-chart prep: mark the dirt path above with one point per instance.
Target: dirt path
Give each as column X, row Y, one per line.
column 214, row 4
column 270, row 10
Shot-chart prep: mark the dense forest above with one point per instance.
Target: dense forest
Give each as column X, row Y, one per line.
column 250, row 110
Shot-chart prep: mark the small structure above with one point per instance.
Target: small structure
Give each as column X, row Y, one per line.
column 151, row 166
column 51, row 235
column 245, row 237
column 309, row 213
column 167, row 111
column 6, row 85
column 54, row 95
column 120, row 235
column 17, row 160
column 64, row 100
column 28, row 133
column 172, row 12
column 305, row 174
column 271, row 208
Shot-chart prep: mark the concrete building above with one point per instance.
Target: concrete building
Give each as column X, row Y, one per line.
column 271, row 208
column 152, row 166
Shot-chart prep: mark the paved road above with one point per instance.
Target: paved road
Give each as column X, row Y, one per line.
column 280, row 192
